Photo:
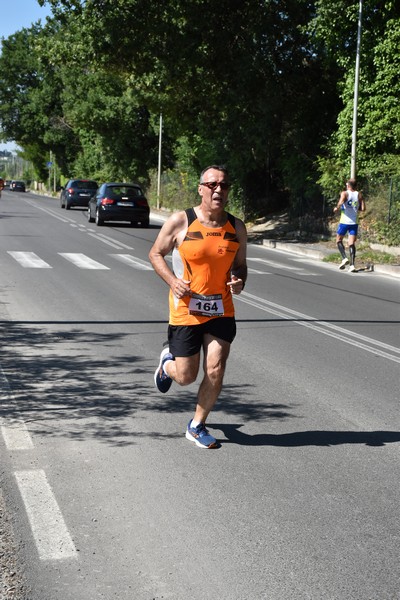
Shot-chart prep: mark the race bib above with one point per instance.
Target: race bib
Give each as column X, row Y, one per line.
column 206, row 306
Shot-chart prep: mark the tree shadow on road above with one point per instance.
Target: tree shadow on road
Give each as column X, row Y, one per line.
column 72, row 380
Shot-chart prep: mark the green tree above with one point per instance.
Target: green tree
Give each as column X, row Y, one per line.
column 378, row 136
column 242, row 82
column 30, row 109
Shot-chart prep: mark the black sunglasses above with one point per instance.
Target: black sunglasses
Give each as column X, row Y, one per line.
column 212, row 185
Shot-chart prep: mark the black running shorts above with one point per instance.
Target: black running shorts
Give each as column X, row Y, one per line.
column 187, row 340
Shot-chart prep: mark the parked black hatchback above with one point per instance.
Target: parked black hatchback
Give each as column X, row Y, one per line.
column 17, row 186
column 77, row 192
column 119, row 202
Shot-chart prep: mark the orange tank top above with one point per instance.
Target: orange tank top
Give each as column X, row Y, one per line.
column 205, row 258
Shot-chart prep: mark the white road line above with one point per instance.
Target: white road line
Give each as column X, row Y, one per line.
column 29, row 260
column 50, row 212
column 15, row 433
column 82, row 261
column 136, row 263
column 168, row 258
column 339, row 333
column 50, row 532
column 106, row 237
column 298, row 270
column 112, row 244
column 256, row 272
column 16, row 436
column 272, row 263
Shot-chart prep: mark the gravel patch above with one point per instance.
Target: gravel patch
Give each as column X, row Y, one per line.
column 12, row 585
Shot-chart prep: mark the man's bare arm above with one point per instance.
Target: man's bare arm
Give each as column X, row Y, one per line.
column 342, row 199
column 165, row 242
column 239, row 267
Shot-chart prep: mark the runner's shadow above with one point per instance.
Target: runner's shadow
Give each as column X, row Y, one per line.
column 306, row 438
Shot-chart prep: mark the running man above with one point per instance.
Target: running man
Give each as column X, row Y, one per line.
column 350, row 202
column 209, row 265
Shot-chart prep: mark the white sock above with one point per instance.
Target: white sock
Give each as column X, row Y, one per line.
column 194, row 423
column 164, row 365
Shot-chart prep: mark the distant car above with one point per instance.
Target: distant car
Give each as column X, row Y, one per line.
column 7, row 184
column 77, row 192
column 119, row 202
column 17, row 186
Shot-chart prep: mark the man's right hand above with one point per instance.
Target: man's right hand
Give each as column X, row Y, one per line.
column 180, row 288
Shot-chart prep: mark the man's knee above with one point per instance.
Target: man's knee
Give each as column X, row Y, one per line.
column 185, row 378
column 186, row 371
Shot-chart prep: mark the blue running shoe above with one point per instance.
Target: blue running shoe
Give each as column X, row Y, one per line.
column 161, row 379
column 200, row 436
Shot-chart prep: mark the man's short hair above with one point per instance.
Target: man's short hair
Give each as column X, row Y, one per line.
column 352, row 183
column 217, row 168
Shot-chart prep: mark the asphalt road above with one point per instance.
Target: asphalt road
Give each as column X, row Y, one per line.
column 108, row 499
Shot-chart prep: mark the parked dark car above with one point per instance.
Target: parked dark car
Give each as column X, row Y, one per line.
column 119, row 202
column 77, row 192
column 17, row 186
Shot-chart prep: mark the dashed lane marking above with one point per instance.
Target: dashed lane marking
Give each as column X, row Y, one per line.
column 49, row 530
column 14, row 431
column 52, row 538
column 16, row 436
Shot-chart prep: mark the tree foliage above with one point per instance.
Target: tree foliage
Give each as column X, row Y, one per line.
column 264, row 86
column 378, row 114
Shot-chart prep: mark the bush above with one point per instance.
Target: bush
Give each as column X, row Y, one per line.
column 178, row 191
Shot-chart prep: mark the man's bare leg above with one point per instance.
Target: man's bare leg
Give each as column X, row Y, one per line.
column 216, row 353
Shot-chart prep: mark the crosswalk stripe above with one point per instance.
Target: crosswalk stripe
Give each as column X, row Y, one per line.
column 82, row 261
column 29, row 260
column 136, row 263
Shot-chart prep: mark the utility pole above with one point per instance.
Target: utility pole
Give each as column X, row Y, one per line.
column 159, row 162
column 355, row 103
column 49, row 165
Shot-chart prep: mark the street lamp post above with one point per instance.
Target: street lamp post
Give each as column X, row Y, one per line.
column 355, row 103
